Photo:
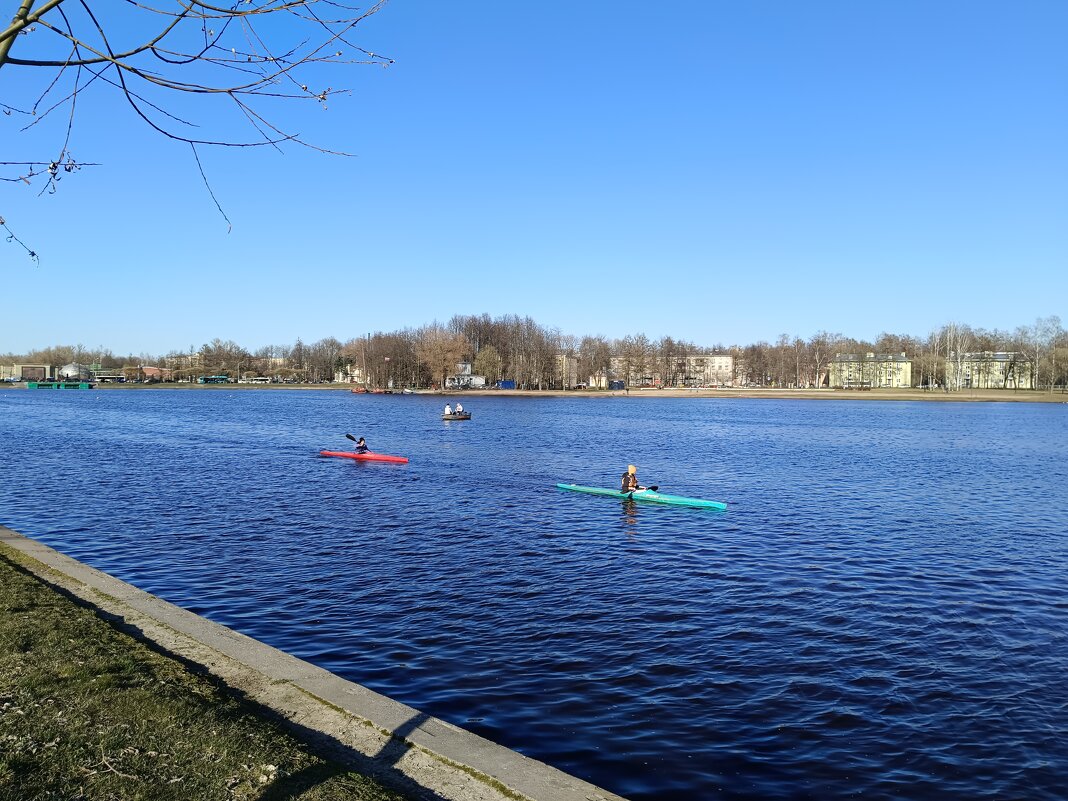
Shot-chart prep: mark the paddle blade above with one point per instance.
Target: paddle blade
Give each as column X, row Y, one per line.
column 654, row 488
column 349, row 436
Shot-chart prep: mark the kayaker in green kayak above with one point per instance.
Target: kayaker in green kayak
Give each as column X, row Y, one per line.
column 630, row 480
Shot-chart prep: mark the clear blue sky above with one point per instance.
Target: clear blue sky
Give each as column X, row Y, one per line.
column 723, row 172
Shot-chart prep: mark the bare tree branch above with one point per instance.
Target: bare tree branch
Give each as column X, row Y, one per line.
column 12, row 238
column 156, row 53
column 243, row 40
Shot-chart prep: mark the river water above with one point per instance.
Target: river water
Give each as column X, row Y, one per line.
column 882, row 611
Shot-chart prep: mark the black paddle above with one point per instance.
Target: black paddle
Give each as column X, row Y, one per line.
column 654, row 488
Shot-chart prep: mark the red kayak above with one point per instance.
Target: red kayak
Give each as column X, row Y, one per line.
column 365, row 457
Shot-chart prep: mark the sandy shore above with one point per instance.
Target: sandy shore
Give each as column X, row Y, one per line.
column 983, row 395
column 965, row 395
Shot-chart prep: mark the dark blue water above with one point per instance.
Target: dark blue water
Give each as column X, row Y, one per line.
column 881, row 613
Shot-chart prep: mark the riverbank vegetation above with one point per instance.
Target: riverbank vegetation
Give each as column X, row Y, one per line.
column 518, row 349
column 88, row 712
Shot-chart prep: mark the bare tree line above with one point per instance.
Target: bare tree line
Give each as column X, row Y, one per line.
column 938, row 358
column 518, row 349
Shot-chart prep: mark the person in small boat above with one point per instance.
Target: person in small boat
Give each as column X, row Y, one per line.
column 630, row 480
column 361, row 446
column 459, row 408
column 448, row 409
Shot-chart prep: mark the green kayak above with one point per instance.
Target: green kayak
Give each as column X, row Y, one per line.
column 646, row 495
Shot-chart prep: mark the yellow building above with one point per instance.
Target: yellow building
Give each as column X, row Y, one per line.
column 704, row 370
column 870, row 371
column 989, row 370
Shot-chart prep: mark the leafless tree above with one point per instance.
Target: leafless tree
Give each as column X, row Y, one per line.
column 568, row 344
column 440, row 350
column 756, row 361
column 1044, row 336
column 479, row 330
column 488, row 364
column 161, row 54
column 958, row 341
column 220, row 356
column 821, row 347
column 594, row 359
column 672, row 361
column 801, row 363
column 389, row 359
column 324, row 359
column 783, row 357
column 932, row 362
column 637, row 357
column 1060, row 360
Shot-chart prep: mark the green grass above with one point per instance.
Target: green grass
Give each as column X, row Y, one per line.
column 88, row 713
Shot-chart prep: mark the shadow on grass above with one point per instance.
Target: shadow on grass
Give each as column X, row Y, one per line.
column 340, row 758
column 381, row 767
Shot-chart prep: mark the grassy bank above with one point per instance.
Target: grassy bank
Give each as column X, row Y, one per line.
column 87, row 712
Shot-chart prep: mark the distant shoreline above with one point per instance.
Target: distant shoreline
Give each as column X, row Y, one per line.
column 980, row 395
column 963, row 396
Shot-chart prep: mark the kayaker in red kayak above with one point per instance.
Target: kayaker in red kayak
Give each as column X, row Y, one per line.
column 630, row 480
column 361, row 446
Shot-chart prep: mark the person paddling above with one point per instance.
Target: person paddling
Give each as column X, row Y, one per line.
column 630, row 480
column 361, row 446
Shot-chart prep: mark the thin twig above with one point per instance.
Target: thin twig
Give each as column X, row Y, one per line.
column 230, row 225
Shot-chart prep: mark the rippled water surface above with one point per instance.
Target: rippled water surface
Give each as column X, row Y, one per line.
column 882, row 612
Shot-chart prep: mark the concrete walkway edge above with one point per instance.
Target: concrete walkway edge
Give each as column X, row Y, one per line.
column 402, row 747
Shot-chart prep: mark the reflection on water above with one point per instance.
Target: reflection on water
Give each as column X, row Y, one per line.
column 879, row 613
column 630, row 516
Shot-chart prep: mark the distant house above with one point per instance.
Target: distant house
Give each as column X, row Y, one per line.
column 349, row 373
column 464, row 378
column 870, row 371
column 156, row 373
column 107, row 375
column 989, row 370
column 710, row 370
column 702, row 370
column 29, row 372
column 146, row 374
column 567, row 370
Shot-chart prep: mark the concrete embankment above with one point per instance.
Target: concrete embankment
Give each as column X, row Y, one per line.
column 349, row 723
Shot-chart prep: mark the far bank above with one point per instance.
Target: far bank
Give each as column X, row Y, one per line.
column 939, row 396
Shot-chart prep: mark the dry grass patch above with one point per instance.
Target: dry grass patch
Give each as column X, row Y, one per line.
column 87, row 712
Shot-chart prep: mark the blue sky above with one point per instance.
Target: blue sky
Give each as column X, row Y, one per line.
column 723, row 172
